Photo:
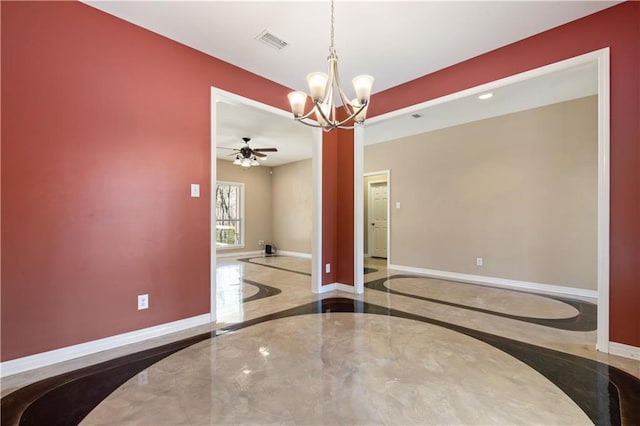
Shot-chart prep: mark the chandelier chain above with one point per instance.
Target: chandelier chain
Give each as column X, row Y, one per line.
column 332, row 46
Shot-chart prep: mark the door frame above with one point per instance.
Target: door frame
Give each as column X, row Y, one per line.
column 219, row 95
column 601, row 58
column 370, row 206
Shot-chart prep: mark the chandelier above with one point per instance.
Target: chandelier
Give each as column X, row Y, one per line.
column 323, row 89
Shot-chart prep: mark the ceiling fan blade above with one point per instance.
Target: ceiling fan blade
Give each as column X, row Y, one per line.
column 259, row 154
column 224, row 147
column 232, row 154
column 265, row 150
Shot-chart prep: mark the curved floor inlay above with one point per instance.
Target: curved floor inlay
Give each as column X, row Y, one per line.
column 341, row 368
column 605, row 394
column 490, row 298
column 263, row 291
column 570, row 314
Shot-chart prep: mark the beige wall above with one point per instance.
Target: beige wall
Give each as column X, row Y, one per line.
column 518, row 190
column 368, row 179
column 292, row 206
column 257, row 198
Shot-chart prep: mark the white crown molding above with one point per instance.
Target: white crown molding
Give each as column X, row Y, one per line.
column 500, row 282
column 43, row 359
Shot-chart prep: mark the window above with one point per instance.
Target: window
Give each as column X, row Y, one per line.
column 229, row 215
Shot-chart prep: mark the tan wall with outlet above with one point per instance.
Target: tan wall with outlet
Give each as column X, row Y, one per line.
column 257, row 198
column 519, row 190
column 368, row 179
column 292, row 206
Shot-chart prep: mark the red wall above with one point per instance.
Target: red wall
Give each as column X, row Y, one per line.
column 104, row 126
column 344, row 198
column 329, row 205
column 618, row 28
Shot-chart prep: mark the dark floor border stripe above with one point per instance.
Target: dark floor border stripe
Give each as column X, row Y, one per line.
column 585, row 320
column 263, row 291
column 249, row 260
column 606, row 394
column 367, row 270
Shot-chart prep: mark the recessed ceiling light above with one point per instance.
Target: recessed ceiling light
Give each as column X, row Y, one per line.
column 486, row 96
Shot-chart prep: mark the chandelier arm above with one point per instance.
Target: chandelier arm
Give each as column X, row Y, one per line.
column 351, row 117
column 309, row 124
column 319, row 110
column 307, row 115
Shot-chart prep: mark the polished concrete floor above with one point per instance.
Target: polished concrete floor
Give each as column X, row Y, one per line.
column 410, row 350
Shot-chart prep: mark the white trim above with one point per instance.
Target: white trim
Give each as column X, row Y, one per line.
column 623, row 350
column 358, row 209
column 316, row 213
column 345, row 287
column 337, row 287
column 216, row 96
column 602, row 58
column 294, row 254
column 240, row 254
column 500, row 282
column 602, row 338
column 44, row 359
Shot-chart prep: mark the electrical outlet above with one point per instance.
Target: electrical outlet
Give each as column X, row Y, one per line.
column 143, row 301
column 327, row 268
column 479, row 261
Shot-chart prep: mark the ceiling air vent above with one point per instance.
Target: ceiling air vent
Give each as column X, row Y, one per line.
column 271, row 40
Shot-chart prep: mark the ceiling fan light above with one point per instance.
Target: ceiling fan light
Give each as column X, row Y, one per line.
column 246, row 163
column 362, row 84
column 254, row 162
column 237, row 161
column 297, row 100
column 317, row 84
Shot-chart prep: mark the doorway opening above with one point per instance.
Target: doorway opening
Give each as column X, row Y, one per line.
column 376, row 212
column 597, row 59
column 220, row 100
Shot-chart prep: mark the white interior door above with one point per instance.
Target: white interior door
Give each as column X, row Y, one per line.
column 378, row 218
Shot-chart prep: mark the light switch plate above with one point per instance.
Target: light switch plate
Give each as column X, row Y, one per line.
column 195, row 190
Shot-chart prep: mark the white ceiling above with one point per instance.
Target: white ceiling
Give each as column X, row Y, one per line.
column 395, row 41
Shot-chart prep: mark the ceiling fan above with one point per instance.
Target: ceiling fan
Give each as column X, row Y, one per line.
column 246, row 156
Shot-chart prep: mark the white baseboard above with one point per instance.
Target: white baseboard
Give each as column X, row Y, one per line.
column 500, row 282
column 337, row 286
column 623, row 350
column 19, row 365
column 294, row 254
column 242, row 254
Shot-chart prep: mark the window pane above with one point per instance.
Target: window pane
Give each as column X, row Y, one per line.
column 228, row 211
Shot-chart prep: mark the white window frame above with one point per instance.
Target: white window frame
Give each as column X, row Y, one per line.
column 242, row 216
